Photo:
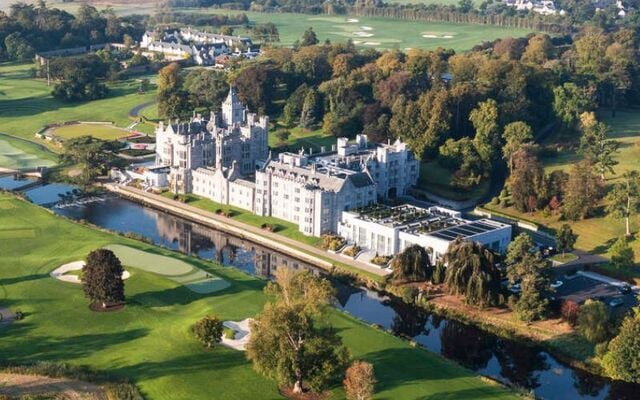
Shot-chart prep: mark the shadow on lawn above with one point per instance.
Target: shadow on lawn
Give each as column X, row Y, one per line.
column 20, row 279
column 198, row 362
column 38, row 348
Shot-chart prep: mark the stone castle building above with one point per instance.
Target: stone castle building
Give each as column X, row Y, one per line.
column 226, row 158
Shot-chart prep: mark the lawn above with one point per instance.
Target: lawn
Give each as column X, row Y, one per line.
column 283, row 228
column 380, row 32
column 375, row 32
column 302, row 138
column 150, row 343
column 437, row 180
column 19, row 153
column 595, row 234
column 26, row 103
column 104, row 132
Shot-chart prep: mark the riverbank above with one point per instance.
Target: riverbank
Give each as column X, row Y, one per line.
column 150, row 341
column 554, row 335
column 305, row 252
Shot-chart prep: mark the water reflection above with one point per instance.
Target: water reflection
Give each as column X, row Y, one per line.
column 511, row 362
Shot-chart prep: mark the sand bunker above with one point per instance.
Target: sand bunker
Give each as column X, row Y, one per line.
column 243, row 333
column 371, row 43
column 60, row 273
column 433, row 36
column 366, row 28
column 352, row 20
column 362, row 34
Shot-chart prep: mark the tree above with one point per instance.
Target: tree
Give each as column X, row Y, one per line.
column 102, row 278
column 624, row 198
column 359, row 381
column 93, row 154
column 309, row 38
column 18, row 48
column 621, row 361
column 582, row 192
column 570, row 101
column 310, row 114
column 206, row 88
column 539, row 50
column 208, row 331
column 527, row 181
column 570, row 310
column 514, row 136
column 622, row 255
column 413, row 264
column 565, row 239
column 471, row 272
column 485, row 122
column 595, row 145
column 293, row 107
column 593, row 321
column 283, row 137
column 285, row 343
column 526, row 265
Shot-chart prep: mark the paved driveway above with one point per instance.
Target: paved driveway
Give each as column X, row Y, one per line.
column 581, row 288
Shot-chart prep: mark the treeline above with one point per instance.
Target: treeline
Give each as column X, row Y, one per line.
column 164, row 17
column 29, row 28
column 468, row 111
column 442, row 13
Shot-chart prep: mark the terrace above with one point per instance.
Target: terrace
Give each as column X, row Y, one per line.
column 415, row 219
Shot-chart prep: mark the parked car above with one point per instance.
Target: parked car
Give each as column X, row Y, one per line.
column 617, row 302
column 556, row 284
column 624, row 289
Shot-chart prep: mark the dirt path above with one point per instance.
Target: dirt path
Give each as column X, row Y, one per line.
column 135, row 111
column 17, row 385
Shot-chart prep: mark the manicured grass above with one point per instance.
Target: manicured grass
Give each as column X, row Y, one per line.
column 179, row 271
column 104, row 132
column 437, row 180
column 26, row 103
column 19, row 153
column 283, row 228
column 563, row 259
column 302, row 138
column 150, row 342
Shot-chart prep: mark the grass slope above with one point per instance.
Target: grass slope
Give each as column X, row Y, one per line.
column 19, row 153
column 150, row 341
column 26, row 104
column 104, row 132
column 595, row 234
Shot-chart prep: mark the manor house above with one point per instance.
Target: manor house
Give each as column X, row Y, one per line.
column 226, row 158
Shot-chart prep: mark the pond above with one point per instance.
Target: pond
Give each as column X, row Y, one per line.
column 508, row 361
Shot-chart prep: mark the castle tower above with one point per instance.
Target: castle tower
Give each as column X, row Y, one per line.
column 232, row 109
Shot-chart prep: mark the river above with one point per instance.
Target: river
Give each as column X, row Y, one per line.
column 511, row 362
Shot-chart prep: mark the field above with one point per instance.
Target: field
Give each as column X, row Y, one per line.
column 596, row 234
column 104, row 132
column 383, row 33
column 26, row 104
column 150, row 343
column 18, row 153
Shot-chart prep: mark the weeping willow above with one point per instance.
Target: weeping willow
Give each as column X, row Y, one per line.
column 471, row 273
column 413, row 264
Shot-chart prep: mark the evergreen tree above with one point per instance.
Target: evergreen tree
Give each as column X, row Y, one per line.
column 622, row 255
column 621, row 361
column 309, row 38
column 582, row 192
column 487, row 138
column 565, row 239
column 102, row 278
column 309, row 116
column 593, row 321
column 595, row 145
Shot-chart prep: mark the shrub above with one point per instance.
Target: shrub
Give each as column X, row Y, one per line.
column 208, row 331
column 332, row 242
column 229, row 333
column 409, row 294
column 570, row 310
column 352, row 251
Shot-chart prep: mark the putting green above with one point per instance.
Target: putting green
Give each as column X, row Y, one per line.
column 178, row 271
column 99, row 131
column 16, row 153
